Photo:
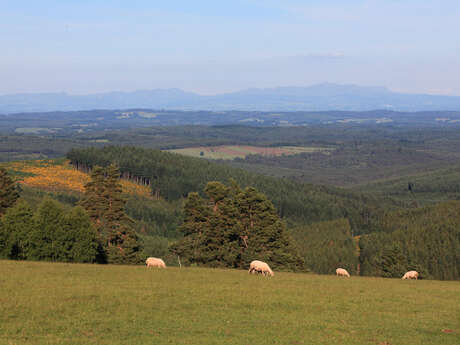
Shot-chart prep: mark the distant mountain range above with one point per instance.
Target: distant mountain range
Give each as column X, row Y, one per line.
column 321, row 97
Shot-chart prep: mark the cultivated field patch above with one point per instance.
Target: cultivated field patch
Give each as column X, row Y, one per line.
column 241, row 151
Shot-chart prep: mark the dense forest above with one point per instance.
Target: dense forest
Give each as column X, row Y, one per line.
column 425, row 239
column 96, row 230
column 393, row 215
column 172, row 176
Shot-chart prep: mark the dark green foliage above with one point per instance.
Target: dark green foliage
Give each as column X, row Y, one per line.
column 328, row 245
column 155, row 246
column 173, row 177
column 80, row 236
column 47, row 239
column 155, row 217
column 425, row 188
column 61, row 236
column 105, row 204
column 232, row 227
column 8, row 191
column 425, row 239
column 393, row 262
column 50, row 234
column 15, row 227
column 94, row 200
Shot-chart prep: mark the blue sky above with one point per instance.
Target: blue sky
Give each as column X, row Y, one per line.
column 220, row 46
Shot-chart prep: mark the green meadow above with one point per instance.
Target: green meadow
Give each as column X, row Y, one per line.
column 230, row 152
column 55, row 303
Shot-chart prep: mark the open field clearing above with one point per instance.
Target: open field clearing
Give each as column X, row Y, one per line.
column 57, row 175
column 51, row 303
column 240, row 151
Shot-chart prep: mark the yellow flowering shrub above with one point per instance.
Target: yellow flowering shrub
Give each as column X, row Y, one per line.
column 52, row 176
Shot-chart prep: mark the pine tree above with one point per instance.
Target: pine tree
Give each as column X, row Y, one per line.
column 233, row 227
column 195, row 225
column 122, row 242
column 393, row 262
column 105, row 204
column 94, row 201
column 8, row 191
column 264, row 234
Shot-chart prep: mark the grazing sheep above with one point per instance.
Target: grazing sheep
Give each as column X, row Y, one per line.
column 261, row 267
column 155, row 262
column 410, row 275
column 341, row 272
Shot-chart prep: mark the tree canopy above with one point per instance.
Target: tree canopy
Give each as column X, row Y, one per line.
column 231, row 226
column 8, row 191
column 105, row 205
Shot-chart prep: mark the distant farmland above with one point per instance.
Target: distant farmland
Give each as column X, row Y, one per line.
column 241, row 151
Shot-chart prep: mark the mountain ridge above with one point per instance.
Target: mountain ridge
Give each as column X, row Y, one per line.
column 318, row 97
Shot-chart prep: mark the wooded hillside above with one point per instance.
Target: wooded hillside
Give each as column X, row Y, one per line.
column 172, row 176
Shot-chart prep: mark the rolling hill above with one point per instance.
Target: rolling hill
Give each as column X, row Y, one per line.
column 321, row 97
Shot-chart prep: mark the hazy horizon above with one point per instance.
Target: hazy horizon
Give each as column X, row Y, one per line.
column 223, row 92
column 207, row 47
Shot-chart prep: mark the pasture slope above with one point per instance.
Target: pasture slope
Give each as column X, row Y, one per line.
column 241, row 151
column 55, row 303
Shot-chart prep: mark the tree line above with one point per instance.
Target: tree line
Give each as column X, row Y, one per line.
column 173, row 177
column 226, row 225
column 96, row 230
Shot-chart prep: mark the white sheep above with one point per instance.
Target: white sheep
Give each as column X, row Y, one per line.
column 341, row 272
column 410, row 275
column 260, row 266
column 155, row 262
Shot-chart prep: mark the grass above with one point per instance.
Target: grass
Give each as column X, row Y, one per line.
column 53, row 303
column 241, row 151
column 35, row 130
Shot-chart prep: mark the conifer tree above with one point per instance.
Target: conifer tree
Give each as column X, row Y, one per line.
column 233, row 227
column 94, row 201
column 195, row 224
column 8, row 191
column 105, row 204
column 264, row 234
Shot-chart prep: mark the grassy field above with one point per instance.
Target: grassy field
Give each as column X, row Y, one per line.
column 241, row 151
column 51, row 303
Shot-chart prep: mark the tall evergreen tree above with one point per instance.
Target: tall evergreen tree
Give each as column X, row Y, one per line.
column 94, row 200
column 196, row 223
column 105, row 204
column 264, row 235
column 233, row 227
column 8, row 191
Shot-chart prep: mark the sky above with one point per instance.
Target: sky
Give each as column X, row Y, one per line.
column 210, row 47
